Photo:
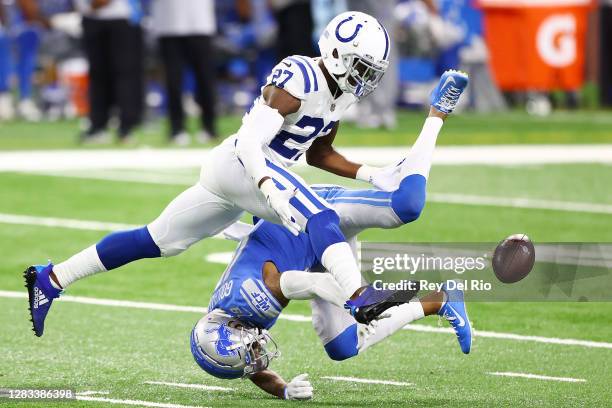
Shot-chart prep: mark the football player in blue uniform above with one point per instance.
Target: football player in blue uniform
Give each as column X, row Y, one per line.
column 271, row 267
column 297, row 113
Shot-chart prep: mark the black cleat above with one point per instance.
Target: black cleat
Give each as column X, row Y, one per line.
column 372, row 303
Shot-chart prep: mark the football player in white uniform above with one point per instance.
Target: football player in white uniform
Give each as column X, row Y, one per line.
column 271, row 267
column 298, row 112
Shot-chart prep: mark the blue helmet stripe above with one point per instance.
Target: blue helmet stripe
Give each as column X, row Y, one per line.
column 314, row 74
column 386, row 41
column 300, row 64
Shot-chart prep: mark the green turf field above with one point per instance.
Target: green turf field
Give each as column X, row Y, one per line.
column 469, row 128
column 116, row 350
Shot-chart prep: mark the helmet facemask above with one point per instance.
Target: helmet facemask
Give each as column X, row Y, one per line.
column 362, row 75
column 259, row 349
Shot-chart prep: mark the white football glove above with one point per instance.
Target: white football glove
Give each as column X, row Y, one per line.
column 278, row 200
column 299, row 388
column 383, row 178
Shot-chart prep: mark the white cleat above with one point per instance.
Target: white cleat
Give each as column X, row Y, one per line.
column 7, row 112
column 182, row 139
column 28, row 111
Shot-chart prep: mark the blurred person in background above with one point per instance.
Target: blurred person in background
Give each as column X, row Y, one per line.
column 113, row 44
column 449, row 33
column 6, row 103
column 185, row 32
column 21, row 34
column 295, row 27
column 379, row 109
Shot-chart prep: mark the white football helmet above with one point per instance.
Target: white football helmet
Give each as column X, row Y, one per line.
column 355, row 50
column 227, row 347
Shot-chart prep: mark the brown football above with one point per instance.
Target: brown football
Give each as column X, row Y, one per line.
column 513, row 258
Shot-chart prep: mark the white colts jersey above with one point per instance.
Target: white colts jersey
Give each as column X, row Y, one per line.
column 318, row 113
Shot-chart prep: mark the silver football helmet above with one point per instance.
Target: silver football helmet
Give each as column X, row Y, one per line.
column 227, row 347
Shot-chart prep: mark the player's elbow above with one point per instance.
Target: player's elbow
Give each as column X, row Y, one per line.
column 408, row 200
column 312, row 159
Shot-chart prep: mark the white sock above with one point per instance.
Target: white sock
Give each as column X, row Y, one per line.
column 339, row 260
column 85, row 263
column 419, row 158
column 400, row 316
column 300, row 285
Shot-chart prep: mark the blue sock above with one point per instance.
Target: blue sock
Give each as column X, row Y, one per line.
column 409, row 199
column 28, row 42
column 5, row 62
column 324, row 230
column 120, row 248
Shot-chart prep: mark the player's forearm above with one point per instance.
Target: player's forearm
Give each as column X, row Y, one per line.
column 270, row 382
column 300, row 285
column 335, row 163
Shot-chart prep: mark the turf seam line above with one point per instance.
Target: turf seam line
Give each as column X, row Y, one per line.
column 303, row 318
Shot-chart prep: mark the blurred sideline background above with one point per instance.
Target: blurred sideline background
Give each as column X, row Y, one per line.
column 105, row 71
column 101, row 98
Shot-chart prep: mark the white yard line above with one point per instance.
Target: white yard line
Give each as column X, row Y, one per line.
column 539, row 377
column 192, row 386
column 134, row 402
column 516, row 202
column 511, row 336
column 52, row 160
column 69, row 223
column 303, row 318
column 368, row 381
column 86, row 393
column 63, row 223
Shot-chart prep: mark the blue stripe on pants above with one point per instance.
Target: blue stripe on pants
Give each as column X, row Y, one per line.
column 303, row 189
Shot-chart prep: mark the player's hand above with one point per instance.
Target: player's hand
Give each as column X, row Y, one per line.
column 299, row 388
column 278, row 200
column 383, row 178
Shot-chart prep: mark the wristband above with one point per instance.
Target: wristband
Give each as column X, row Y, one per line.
column 365, row 173
column 267, row 187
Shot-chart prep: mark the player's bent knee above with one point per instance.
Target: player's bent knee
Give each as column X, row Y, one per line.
column 324, row 230
column 409, row 199
column 344, row 345
column 168, row 245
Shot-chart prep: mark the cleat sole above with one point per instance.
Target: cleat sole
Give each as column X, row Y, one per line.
column 29, row 276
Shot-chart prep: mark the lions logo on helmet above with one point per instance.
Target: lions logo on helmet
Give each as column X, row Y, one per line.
column 226, row 347
column 355, row 50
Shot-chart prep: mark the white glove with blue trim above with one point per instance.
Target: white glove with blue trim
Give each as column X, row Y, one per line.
column 299, row 388
column 278, row 200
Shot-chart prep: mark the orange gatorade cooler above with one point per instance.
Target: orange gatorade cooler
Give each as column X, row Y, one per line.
column 536, row 44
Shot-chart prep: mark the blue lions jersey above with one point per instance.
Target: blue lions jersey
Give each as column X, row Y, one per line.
column 241, row 291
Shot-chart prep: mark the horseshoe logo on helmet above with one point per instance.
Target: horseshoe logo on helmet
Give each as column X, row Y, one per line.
column 352, row 36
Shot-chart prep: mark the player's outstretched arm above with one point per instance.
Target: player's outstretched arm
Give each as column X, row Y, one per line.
column 297, row 389
column 322, row 154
